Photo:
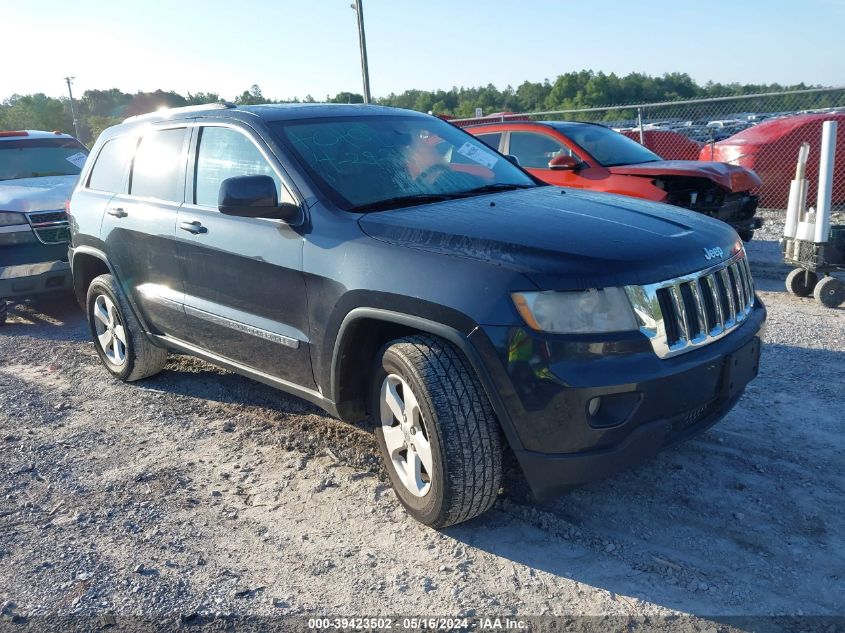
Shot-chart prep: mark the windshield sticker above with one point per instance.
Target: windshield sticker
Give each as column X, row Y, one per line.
column 478, row 155
column 77, row 159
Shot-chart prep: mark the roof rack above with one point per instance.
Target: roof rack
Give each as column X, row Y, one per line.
column 164, row 112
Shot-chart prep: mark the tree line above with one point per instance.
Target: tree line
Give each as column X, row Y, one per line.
column 98, row 109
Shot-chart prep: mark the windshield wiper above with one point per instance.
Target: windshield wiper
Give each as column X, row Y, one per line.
column 403, row 201
column 493, row 188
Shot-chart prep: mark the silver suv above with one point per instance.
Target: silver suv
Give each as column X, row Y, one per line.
column 38, row 171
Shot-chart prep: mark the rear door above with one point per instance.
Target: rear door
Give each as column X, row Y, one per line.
column 139, row 229
column 244, row 288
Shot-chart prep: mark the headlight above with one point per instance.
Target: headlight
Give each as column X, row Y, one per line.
column 10, row 218
column 579, row 312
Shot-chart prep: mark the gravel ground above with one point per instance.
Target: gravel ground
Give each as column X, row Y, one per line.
column 201, row 492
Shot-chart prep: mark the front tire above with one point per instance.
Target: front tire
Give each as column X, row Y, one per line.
column 746, row 236
column 438, row 436
column 3, row 311
column 118, row 337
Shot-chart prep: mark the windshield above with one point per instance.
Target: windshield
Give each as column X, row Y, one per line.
column 609, row 148
column 35, row 157
column 363, row 162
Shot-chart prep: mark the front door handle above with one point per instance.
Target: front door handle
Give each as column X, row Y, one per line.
column 194, row 226
column 117, row 212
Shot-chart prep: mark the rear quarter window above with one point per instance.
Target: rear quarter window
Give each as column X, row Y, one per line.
column 110, row 168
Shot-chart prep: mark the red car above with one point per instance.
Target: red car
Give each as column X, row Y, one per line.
column 591, row 156
column 771, row 149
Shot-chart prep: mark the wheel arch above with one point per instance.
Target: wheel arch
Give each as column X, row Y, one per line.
column 365, row 330
column 87, row 263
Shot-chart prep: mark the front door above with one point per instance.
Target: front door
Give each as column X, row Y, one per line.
column 244, row 289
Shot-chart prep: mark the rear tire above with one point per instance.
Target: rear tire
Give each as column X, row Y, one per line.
column 800, row 283
column 118, row 337
column 830, row 292
column 438, row 436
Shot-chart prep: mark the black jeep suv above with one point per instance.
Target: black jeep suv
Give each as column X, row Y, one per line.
column 383, row 263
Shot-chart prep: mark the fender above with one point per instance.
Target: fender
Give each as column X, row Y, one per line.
column 454, row 336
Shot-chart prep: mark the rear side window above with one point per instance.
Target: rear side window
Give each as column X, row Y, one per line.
column 491, row 139
column 226, row 153
column 107, row 173
column 157, row 170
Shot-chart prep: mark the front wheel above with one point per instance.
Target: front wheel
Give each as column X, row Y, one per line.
column 3, row 311
column 746, row 236
column 438, row 436
column 118, row 337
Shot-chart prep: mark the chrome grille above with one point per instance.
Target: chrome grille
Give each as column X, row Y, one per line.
column 50, row 227
column 679, row 315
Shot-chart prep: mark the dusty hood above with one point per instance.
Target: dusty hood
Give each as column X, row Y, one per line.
column 731, row 177
column 36, row 194
column 562, row 238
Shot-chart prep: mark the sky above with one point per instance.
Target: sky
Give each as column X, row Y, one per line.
column 294, row 48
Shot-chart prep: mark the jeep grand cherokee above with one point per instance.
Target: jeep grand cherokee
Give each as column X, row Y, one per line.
column 384, row 263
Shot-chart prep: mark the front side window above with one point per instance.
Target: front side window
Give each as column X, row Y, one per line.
column 37, row 157
column 157, row 170
column 226, row 153
column 535, row 150
column 364, row 161
column 107, row 173
column 608, row 147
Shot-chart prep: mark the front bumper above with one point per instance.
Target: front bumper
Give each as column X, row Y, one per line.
column 646, row 402
column 34, row 278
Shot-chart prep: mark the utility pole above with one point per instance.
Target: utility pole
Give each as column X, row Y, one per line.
column 69, row 81
column 362, row 44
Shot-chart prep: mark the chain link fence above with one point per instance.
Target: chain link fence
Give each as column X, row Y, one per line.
column 762, row 132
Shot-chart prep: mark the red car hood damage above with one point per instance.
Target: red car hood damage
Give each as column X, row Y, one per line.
column 731, row 177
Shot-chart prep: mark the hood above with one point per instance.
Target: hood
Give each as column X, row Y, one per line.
column 562, row 239
column 36, row 194
column 731, row 177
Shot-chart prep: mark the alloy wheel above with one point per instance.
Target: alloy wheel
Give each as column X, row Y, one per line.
column 111, row 335
column 405, row 435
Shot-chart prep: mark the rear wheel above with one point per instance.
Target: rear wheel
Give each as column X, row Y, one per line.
column 800, row 282
column 118, row 337
column 830, row 292
column 438, row 436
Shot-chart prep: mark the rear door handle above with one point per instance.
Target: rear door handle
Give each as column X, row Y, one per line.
column 117, row 212
column 194, row 226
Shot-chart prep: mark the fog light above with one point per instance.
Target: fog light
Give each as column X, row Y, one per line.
column 593, row 406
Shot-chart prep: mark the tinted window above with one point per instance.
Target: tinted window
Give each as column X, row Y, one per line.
column 225, row 153
column 490, row 139
column 36, row 157
column 535, row 150
column 107, row 173
column 359, row 161
column 608, row 147
column 157, row 170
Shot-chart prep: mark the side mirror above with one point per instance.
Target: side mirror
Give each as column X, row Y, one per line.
column 513, row 159
column 254, row 197
column 564, row 162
